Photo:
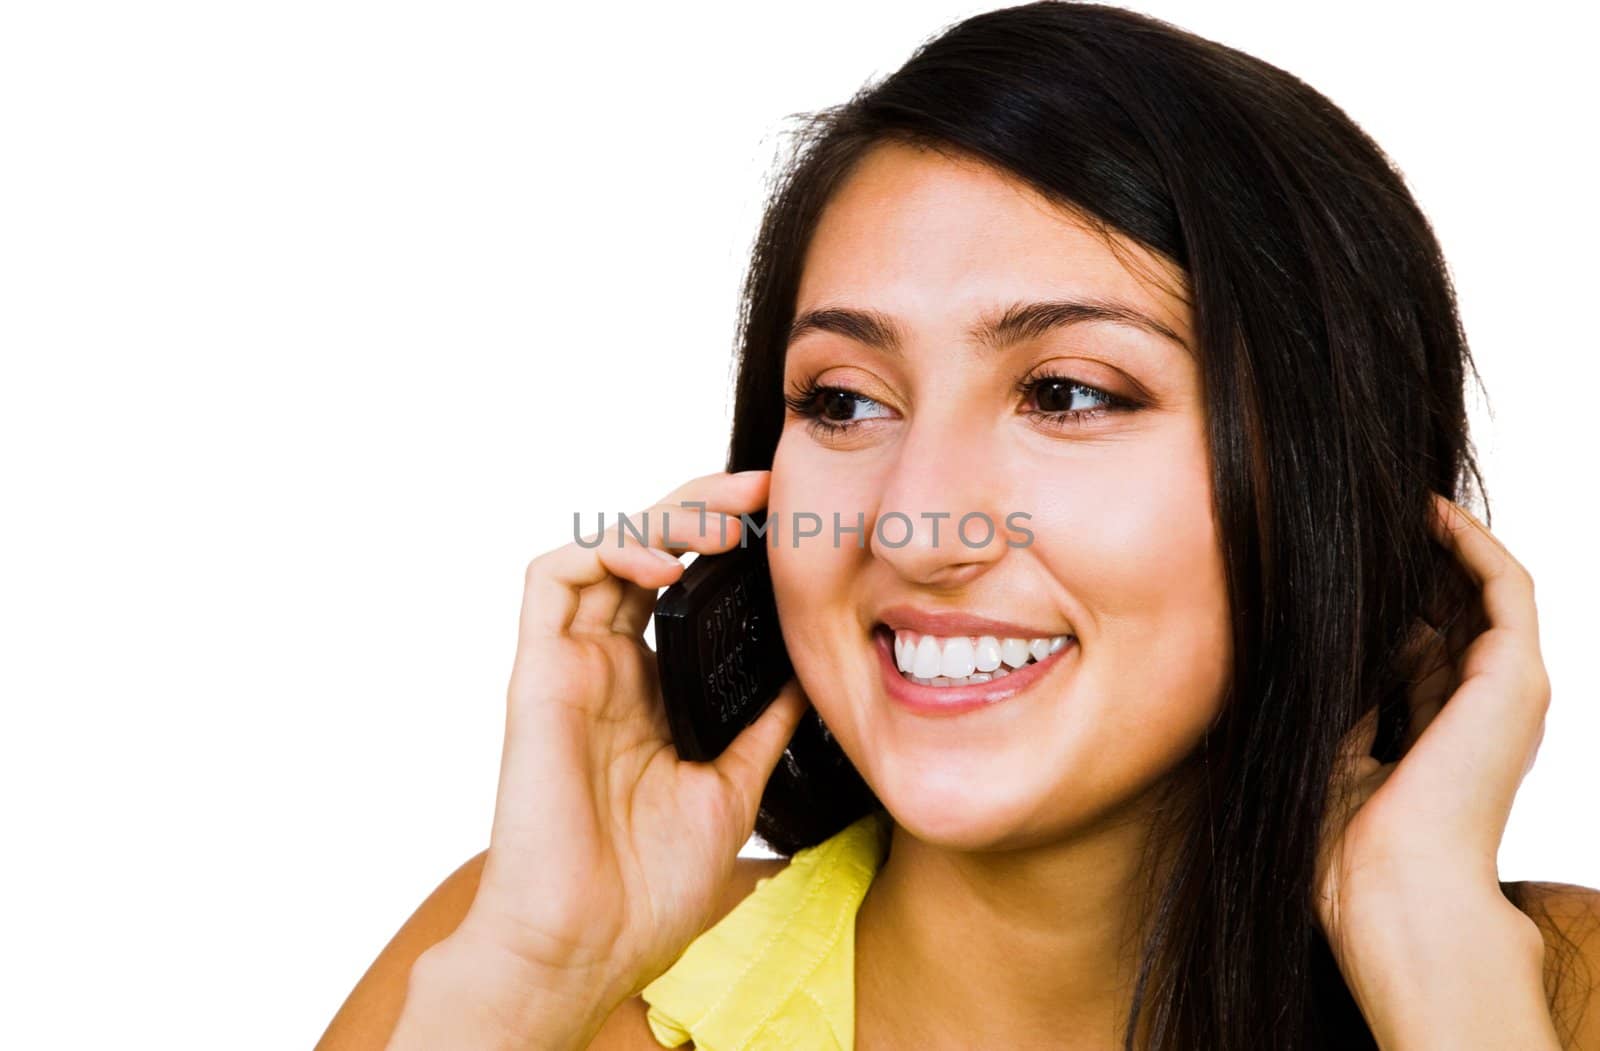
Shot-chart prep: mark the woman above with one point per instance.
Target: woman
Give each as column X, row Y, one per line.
column 1218, row 755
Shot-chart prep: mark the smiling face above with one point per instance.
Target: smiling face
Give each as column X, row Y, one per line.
column 1089, row 432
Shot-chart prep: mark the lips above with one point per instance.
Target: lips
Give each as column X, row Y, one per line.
column 955, row 700
column 950, row 623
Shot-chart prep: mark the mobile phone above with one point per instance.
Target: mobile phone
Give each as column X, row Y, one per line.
column 719, row 648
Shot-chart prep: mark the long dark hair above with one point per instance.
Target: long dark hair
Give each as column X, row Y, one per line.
column 1334, row 368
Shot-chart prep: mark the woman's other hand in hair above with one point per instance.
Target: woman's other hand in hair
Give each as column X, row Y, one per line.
column 1407, row 880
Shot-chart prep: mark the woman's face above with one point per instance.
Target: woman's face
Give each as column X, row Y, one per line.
column 1104, row 543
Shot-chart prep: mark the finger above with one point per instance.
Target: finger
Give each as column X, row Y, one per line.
column 633, row 549
column 1502, row 663
column 1429, row 675
column 555, row 581
column 697, row 530
column 748, row 762
column 1481, row 736
column 1464, row 625
column 1478, row 748
column 638, row 605
column 747, row 494
column 1505, row 585
column 744, row 490
column 598, row 603
column 1455, row 607
column 1426, row 699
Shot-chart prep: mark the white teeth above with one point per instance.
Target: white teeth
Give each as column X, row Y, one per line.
column 929, row 658
column 958, row 663
column 986, row 656
column 933, row 661
column 1014, row 652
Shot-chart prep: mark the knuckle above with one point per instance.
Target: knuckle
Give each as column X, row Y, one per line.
column 681, row 524
column 1537, row 681
column 649, row 513
column 694, row 485
column 537, row 568
column 545, row 674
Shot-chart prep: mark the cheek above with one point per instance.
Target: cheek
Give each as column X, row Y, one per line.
column 1133, row 536
column 811, row 579
column 821, row 587
column 1136, row 546
column 1132, row 544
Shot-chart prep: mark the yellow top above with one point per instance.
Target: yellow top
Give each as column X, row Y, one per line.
column 778, row 971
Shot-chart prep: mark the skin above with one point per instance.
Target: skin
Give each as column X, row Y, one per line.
column 966, row 929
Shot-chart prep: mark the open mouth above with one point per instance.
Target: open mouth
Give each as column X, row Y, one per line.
column 946, row 675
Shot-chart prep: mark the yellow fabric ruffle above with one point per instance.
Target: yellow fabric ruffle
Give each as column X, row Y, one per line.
column 778, row 971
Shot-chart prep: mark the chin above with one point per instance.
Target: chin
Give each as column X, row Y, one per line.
column 945, row 807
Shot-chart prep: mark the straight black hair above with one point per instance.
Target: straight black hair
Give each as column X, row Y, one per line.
column 1334, row 367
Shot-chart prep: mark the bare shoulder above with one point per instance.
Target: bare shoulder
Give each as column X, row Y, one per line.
column 369, row 1013
column 627, row 1029
column 1568, row 915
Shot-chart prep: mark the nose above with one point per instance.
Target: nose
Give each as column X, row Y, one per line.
column 939, row 521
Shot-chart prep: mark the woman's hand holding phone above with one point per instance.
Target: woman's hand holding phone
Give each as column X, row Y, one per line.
column 607, row 852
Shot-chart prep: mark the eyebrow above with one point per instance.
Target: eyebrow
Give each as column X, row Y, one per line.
column 1017, row 322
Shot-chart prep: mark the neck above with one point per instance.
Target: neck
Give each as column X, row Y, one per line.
column 1029, row 946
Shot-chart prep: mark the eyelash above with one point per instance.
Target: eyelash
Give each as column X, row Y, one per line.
column 804, row 402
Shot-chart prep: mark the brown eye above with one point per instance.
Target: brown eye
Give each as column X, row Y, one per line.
column 831, row 411
column 1054, row 395
column 1063, row 401
column 838, row 405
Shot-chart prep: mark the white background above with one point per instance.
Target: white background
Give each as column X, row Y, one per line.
column 320, row 319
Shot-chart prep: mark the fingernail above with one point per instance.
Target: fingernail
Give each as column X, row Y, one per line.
column 755, row 470
column 665, row 556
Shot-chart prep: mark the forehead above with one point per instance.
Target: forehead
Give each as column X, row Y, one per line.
column 926, row 235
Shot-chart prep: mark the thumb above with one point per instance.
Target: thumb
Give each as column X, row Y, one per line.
column 748, row 761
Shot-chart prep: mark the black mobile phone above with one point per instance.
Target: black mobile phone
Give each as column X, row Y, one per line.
column 719, row 650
